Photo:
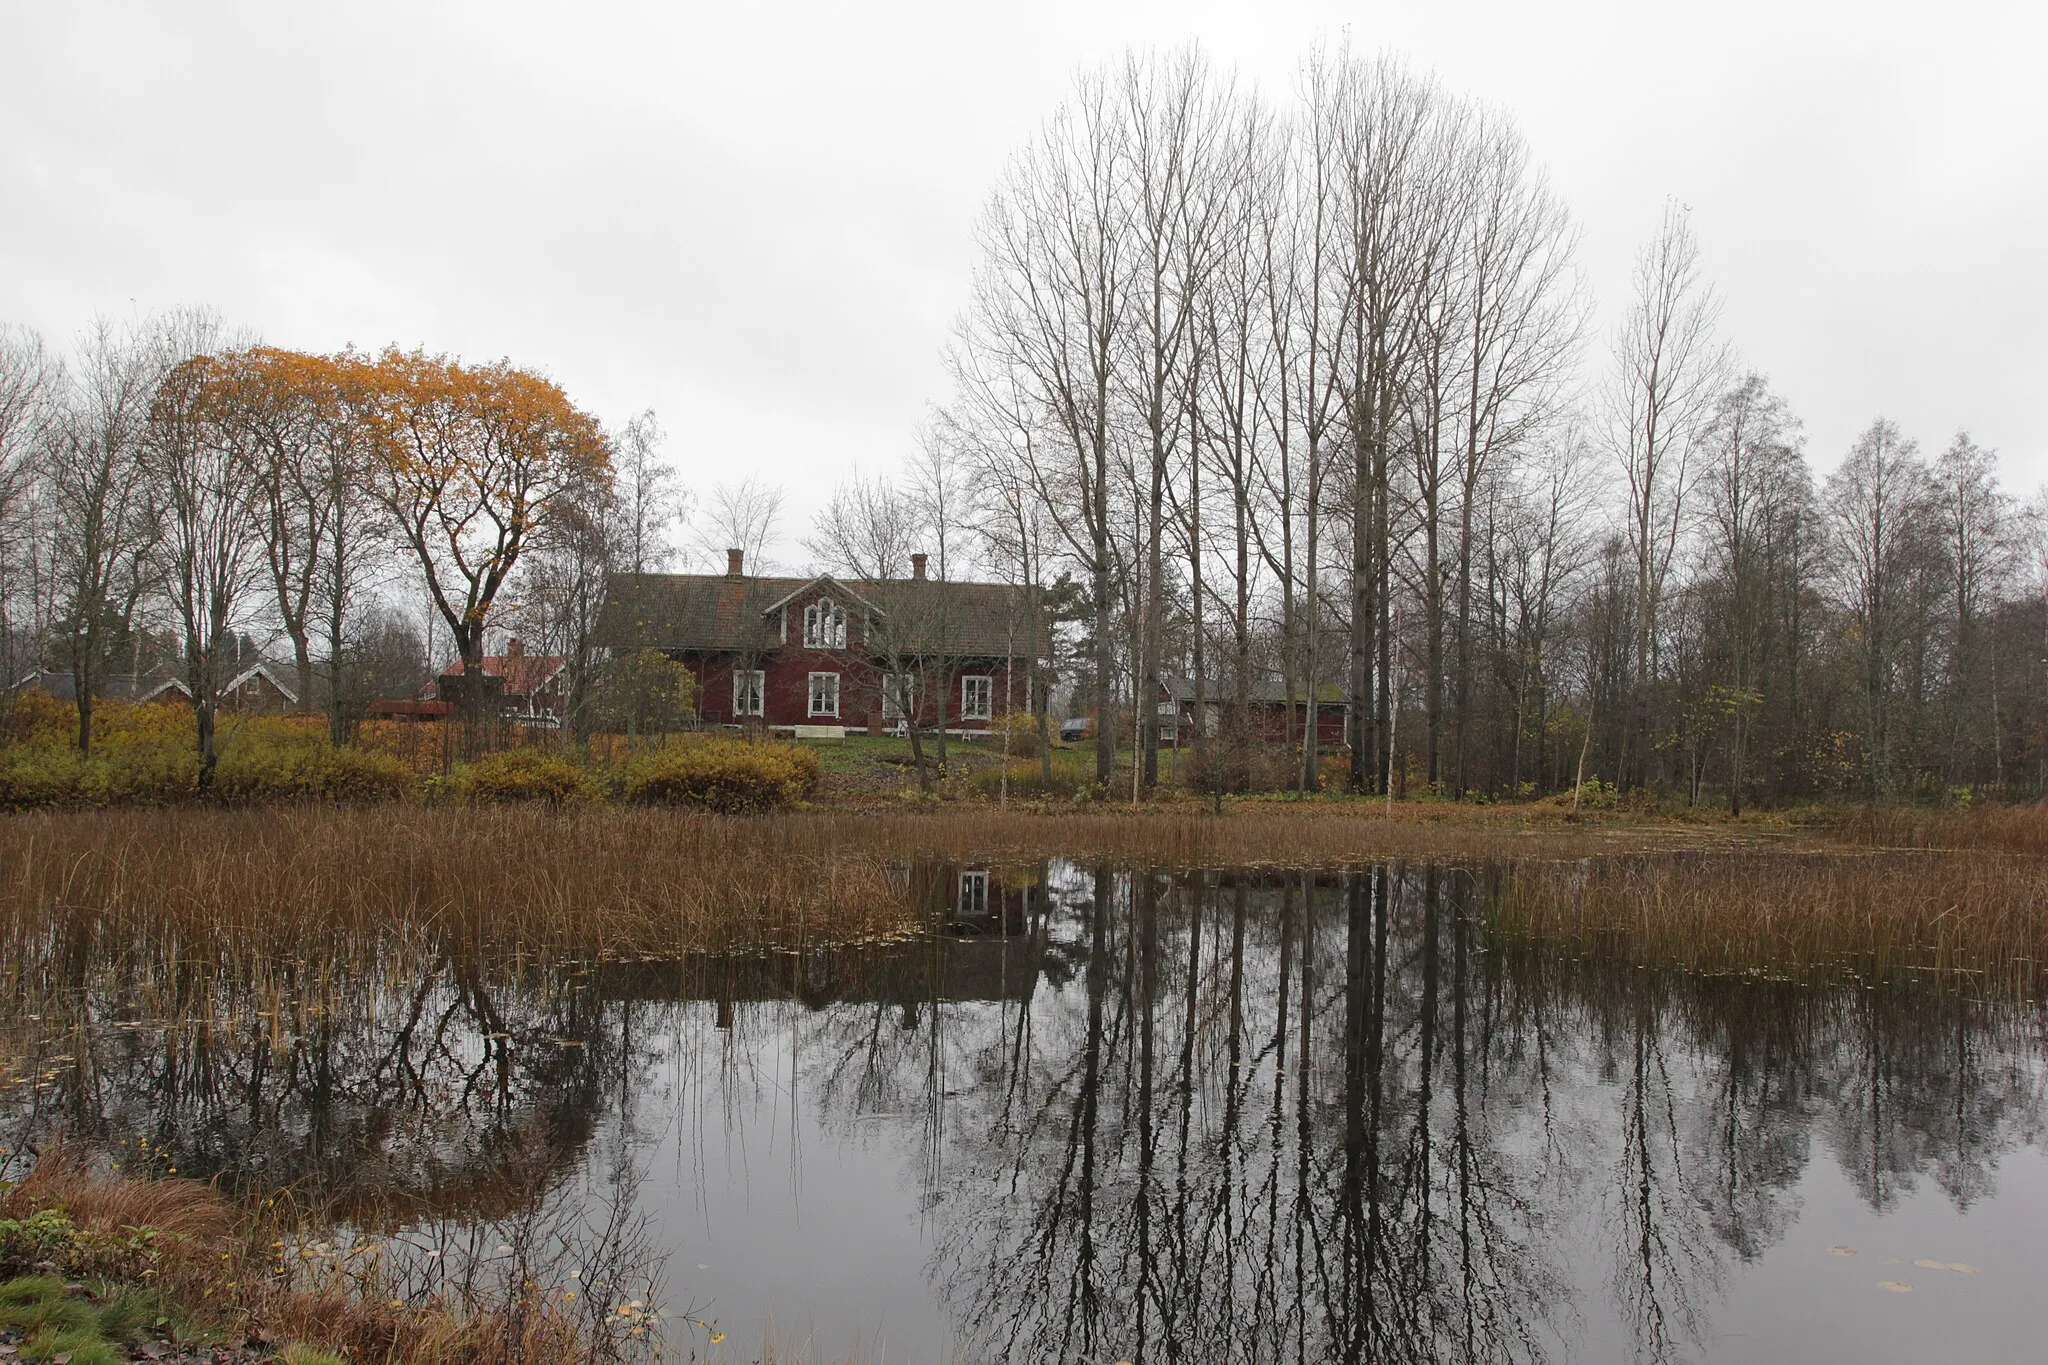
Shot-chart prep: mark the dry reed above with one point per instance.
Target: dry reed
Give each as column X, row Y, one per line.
column 283, row 885
column 2007, row 829
column 593, row 881
column 1875, row 915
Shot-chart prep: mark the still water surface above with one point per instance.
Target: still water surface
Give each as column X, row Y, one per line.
column 1199, row 1117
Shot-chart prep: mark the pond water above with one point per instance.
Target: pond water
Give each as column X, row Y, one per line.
column 1098, row 1117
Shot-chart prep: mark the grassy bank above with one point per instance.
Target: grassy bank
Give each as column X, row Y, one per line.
column 97, row 1267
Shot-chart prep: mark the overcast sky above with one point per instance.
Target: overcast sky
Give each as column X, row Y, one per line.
column 758, row 219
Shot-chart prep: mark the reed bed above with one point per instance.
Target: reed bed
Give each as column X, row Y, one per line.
column 2005, row 829
column 289, row 885
column 1877, row 915
column 596, row 881
column 583, row 883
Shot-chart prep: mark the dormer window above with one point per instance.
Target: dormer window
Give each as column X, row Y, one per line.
column 824, row 625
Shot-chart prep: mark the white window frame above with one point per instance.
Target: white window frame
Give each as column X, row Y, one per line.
column 894, row 687
column 749, row 684
column 831, row 681
column 987, row 709
column 824, row 625
column 973, row 901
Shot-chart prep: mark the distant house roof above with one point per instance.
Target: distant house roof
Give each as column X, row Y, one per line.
column 1264, row 691
column 115, row 686
column 523, row 674
column 265, row 672
column 721, row 612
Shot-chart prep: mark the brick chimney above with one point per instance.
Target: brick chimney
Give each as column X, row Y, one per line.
column 917, row 567
column 515, row 648
column 735, row 563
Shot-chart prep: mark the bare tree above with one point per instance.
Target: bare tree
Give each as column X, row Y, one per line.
column 1668, row 371
column 30, row 379
column 101, row 523
column 1878, row 502
column 648, row 502
column 1040, row 346
column 205, row 478
column 1976, row 526
column 868, row 533
column 1753, row 476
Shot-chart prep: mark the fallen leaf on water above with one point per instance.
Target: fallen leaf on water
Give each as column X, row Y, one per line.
column 1926, row 1264
column 1962, row 1268
column 1894, row 1287
column 1842, row 1251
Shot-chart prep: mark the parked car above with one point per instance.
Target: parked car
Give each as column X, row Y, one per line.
column 1075, row 728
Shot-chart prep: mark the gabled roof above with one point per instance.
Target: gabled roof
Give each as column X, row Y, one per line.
column 112, row 686
column 718, row 613
column 807, row 585
column 522, row 674
column 265, row 672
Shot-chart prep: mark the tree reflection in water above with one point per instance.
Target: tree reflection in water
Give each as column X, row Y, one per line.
column 1201, row 1116
column 1324, row 1118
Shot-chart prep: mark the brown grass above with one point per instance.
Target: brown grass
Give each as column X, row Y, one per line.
column 2008, row 829
column 211, row 1264
column 593, row 881
column 232, row 888
column 1876, row 915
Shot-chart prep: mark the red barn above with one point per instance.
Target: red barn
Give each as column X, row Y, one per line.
column 831, row 652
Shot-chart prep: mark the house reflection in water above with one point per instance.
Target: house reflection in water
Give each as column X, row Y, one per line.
column 986, row 943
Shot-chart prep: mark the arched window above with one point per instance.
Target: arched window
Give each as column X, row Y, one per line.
column 824, row 625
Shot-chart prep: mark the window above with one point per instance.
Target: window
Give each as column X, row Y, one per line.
column 746, row 691
column 824, row 694
column 824, row 626
column 973, row 895
column 977, row 698
column 899, row 696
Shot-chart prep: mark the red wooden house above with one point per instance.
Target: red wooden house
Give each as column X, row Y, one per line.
column 523, row 688
column 829, row 652
column 1267, row 707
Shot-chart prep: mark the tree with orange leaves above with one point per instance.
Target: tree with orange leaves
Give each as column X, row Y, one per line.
column 474, row 461
column 311, row 429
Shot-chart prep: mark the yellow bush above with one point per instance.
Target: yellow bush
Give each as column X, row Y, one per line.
column 35, row 778
column 1019, row 730
column 260, row 768
column 513, row 775
column 32, row 716
column 725, row 775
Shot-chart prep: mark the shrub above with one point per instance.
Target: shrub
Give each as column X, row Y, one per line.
column 38, row 778
column 727, row 775
column 30, row 715
column 263, row 768
column 1019, row 730
column 517, row 775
